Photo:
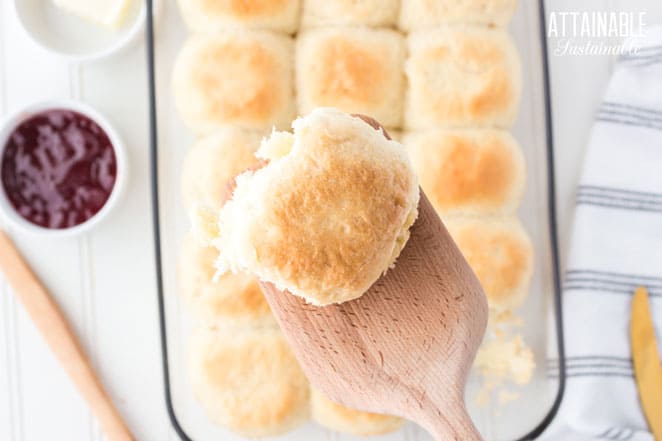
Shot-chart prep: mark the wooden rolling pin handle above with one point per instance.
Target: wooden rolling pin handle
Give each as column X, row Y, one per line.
column 52, row 325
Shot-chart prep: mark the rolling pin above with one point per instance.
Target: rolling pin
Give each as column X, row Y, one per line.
column 52, row 325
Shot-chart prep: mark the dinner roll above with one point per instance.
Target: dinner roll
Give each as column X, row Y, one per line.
column 218, row 15
column 248, row 381
column 461, row 77
column 233, row 299
column 325, row 219
column 343, row 419
column 356, row 70
column 419, row 14
column 320, row 13
column 213, row 161
column 500, row 253
column 243, row 78
column 479, row 171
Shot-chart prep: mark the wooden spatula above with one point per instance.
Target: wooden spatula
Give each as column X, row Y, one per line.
column 404, row 348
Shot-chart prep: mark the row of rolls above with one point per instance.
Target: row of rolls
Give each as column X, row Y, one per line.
column 291, row 16
column 442, row 76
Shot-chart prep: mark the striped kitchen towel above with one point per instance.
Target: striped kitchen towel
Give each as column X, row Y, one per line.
column 616, row 246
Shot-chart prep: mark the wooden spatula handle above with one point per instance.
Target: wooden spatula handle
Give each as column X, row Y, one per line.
column 54, row 328
column 451, row 425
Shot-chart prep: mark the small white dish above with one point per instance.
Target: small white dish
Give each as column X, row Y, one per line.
column 69, row 36
column 8, row 211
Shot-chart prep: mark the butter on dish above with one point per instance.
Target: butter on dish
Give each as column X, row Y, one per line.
column 327, row 216
column 107, row 13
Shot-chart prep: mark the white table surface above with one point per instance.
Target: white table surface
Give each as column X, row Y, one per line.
column 104, row 281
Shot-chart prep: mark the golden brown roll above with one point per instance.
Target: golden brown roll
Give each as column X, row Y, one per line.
column 478, row 171
column 460, row 77
column 327, row 216
column 419, row 14
column 343, row 419
column 500, row 253
column 219, row 15
column 215, row 159
column 234, row 299
column 248, row 381
column 322, row 13
column 240, row 78
column 356, row 70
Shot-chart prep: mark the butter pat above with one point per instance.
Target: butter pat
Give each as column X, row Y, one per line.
column 107, row 13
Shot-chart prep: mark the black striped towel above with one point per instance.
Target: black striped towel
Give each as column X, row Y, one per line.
column 616, row 246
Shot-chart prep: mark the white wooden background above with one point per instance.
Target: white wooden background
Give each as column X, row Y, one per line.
column 105, row 282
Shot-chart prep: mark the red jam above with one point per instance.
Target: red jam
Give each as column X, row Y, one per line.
column 58, row 168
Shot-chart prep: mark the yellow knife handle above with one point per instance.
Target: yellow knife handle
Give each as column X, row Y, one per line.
column 646, row 361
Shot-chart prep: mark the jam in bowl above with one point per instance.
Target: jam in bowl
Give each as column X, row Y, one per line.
column 62, row 167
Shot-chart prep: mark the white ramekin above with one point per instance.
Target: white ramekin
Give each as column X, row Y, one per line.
column 8, row 211
column 70, row 37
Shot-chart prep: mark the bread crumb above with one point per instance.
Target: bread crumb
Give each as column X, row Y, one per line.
column 505, row 358
column 506, row 396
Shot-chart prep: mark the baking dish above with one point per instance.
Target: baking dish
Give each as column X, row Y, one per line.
column 523, row 418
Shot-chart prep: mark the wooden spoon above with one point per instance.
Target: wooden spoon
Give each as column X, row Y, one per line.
column 403, row 348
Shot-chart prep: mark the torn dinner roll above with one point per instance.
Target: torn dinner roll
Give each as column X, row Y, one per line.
column 327, row 216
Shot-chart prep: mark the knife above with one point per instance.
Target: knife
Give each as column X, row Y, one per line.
column 646, row 361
